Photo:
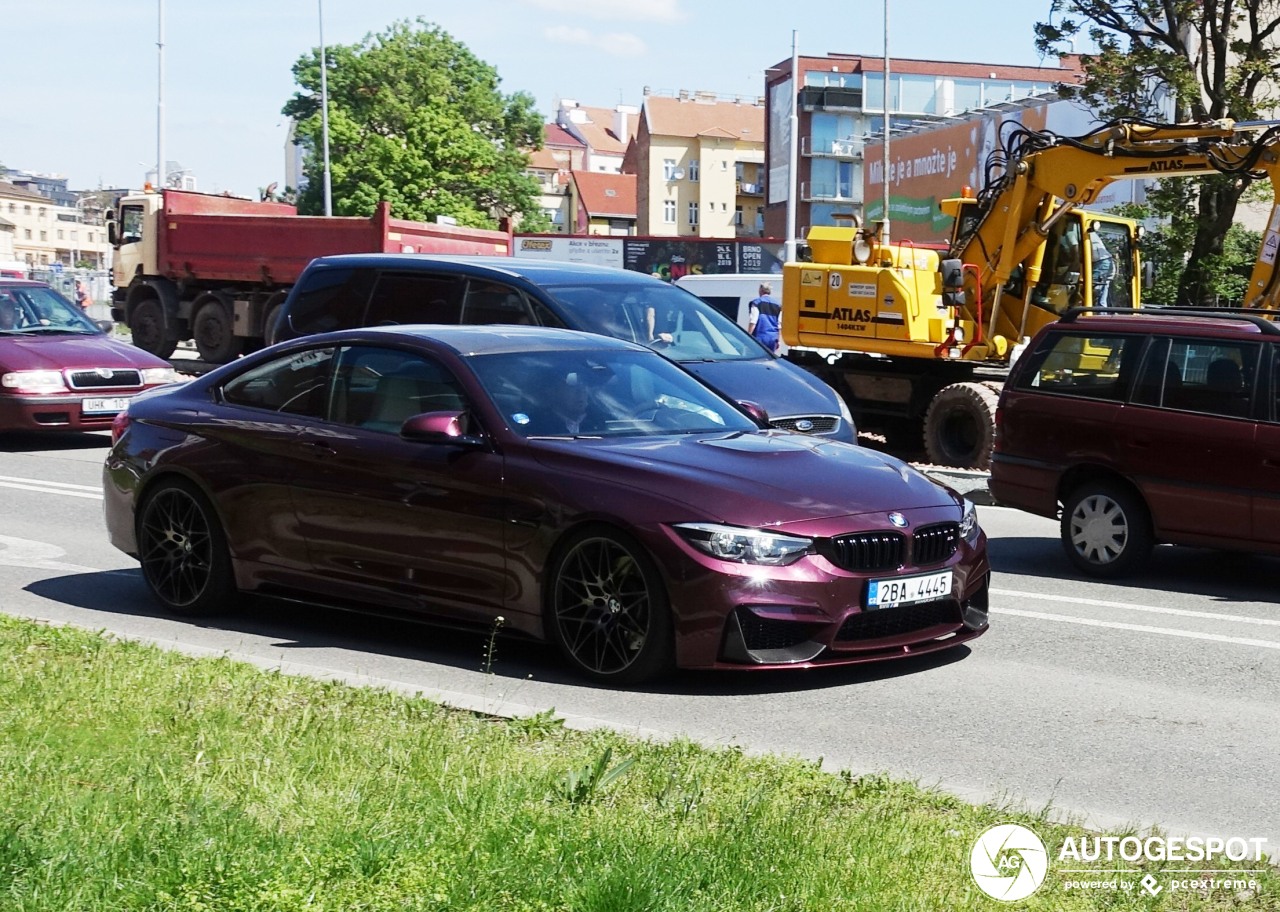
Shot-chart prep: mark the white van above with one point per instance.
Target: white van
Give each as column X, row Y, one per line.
column 731, row 293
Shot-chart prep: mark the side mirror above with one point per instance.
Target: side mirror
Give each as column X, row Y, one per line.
column 952, row 271
column 756, row 411
column 441, row 427
column 106, row 325
column 112, row 237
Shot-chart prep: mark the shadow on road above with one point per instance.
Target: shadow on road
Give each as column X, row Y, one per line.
column 39, row 442
column 1222, row 576
column 295, row 625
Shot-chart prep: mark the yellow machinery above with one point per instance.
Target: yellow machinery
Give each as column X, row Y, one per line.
column 919, row 339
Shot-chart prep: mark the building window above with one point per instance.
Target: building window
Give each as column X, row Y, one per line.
column 26, row 233
column 669, row 211
column 44, row 235
column 693, row 170
column 737, row 216
column 43, row 212
column 75, row 235
column 26, row 210
column 668, row 169
column 693, row 213
column 60, row 235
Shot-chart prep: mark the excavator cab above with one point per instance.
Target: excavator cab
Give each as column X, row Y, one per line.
column 1088, row 261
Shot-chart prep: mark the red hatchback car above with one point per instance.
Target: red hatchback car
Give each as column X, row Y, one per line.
column 587, row 490
column 1142, row 427
column 60, row 371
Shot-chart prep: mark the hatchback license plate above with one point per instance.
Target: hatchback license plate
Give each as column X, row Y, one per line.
column 908, row 590
column 99, row 406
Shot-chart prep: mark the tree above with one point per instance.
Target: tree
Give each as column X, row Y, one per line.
column 1216, row 59
column 416, row 119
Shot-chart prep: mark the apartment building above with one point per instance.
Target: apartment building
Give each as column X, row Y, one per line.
column 839, row 104
column 699, row 163
column 46, row 233
column 561, row 154
column 604, row 132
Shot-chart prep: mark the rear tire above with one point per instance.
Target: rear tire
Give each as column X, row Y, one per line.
column 1106, row 529
column 215, row 335
column 607, row 609
column 960, row 426
column 183, row 551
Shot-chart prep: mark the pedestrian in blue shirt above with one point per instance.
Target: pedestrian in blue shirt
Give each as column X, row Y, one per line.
column 764, row 318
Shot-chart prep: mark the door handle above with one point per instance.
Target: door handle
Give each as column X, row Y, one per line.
column 318, row 448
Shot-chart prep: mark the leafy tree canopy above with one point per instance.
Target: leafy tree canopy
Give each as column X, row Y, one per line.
column 1214, row 59
column 416, row 119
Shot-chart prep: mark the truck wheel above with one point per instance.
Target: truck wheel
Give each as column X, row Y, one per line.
column 214, row 335
column 146, row 324
column 960, row 426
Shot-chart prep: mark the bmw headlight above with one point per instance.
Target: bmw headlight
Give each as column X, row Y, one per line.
column 744, row 546
column 969, row 527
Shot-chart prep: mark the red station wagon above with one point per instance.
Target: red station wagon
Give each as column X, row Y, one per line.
column 61, row 371
column 1142, row 427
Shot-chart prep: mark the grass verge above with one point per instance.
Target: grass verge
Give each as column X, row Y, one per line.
column 136, row 779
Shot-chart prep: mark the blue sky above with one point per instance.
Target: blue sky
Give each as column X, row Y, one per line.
column 80, row 78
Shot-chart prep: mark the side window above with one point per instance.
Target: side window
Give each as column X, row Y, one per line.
column 378, row 388
column 1213, row 377
column 130, row 225
column 493, row 302
column 415, row 297
column 328, row 299
column 1095, row 367
column 293, row 385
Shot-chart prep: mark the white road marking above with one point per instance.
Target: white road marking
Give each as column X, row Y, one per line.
column 1129, row 606
column 93, row 492
column 1139, row 628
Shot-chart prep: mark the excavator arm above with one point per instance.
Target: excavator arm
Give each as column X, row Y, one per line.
column 1042, row 177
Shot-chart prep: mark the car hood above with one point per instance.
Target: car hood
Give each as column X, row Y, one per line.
column 782, row 388
column 766, row 478
column 49, row 352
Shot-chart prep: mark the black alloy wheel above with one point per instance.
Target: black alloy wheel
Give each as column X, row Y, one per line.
column 183, row 551
column 608, row 611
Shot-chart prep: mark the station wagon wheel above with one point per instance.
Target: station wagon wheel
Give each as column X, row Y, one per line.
column 607, row 609
column 1106, row 529
column 183, row 551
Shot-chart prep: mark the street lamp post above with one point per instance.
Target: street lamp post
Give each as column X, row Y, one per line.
column 324, row 115
column 160, row 182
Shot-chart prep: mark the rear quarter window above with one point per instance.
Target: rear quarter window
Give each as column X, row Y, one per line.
column 328, row 299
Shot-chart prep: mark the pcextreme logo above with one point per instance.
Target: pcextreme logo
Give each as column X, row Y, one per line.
column 1008, row 862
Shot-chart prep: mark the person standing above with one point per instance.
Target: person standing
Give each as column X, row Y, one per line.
column 764, row 318
column 82, row 296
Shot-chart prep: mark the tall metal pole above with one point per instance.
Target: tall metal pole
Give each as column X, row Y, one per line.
column 884, row 226
column 160, row 166
column 324, row 115
column 793, row 163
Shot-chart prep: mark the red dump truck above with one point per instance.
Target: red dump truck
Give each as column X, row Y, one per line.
column 215, row 269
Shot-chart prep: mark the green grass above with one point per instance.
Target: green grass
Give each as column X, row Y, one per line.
column 136, row 779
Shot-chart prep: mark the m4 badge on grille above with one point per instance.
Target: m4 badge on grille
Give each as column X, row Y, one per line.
column 898, row 520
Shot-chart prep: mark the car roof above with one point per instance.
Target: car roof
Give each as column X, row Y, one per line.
column 537, row 271
column 487, row 339
column 1152, row 320
column 23, row 283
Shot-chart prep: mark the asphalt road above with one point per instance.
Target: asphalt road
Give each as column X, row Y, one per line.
column 1154, row 701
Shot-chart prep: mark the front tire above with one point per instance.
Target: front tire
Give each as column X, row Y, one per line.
column 183, row 551
column 147, row 327
column 960, row 426
column 607, row 610
column 1106, row 530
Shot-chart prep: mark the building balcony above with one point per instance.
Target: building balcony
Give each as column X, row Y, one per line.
column 747, row 188
column 828, row 191
column 830, row 98
column 847, row 149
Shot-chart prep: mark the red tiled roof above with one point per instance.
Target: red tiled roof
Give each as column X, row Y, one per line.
column 598, row 130
column 605, row 194
column 694, row 117
column 555, row 135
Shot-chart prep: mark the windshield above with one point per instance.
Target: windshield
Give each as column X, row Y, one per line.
column 680, row 325
column 602, row 393
column 33, row 309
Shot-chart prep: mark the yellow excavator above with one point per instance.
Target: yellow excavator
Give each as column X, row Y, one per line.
column 918, row 340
